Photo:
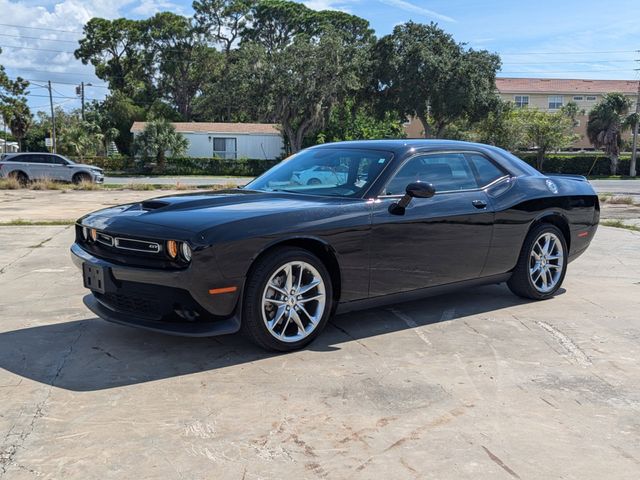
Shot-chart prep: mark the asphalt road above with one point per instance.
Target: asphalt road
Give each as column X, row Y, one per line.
column 474, row 385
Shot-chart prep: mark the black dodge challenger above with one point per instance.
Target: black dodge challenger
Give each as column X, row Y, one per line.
column 334, row 228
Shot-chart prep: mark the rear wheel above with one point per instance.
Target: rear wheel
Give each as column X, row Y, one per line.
column 81, row 177
column 314, row 181
column 288, row 299
column 542, row 264
column 21, row 177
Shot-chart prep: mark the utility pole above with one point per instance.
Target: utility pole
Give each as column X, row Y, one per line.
column 53, row 119
column 82, row 98
column 634, row 148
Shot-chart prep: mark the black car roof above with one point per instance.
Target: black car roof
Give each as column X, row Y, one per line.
column 404, row 146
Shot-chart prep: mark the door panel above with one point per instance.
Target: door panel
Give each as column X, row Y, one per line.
column 438, row 240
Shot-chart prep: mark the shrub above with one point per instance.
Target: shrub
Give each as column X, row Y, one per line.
column 9, row 184
column 243, row 167
column 578, row 164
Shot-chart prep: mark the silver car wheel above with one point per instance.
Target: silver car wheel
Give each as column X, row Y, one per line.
column 293, row 301
column 546, row 262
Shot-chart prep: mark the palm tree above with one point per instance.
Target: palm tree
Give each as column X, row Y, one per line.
column 158, row 138
column 607, row 121
column 17, row 117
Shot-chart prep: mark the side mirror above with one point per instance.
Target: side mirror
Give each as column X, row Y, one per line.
column 413, row 190
column 420, row 190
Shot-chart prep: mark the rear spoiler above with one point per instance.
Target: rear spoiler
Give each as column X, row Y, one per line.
column 580, row 178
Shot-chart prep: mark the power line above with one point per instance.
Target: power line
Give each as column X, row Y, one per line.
column 40, row 28
column 39, row 38
column 36, row 48
column 65, row 83
column 582, row 52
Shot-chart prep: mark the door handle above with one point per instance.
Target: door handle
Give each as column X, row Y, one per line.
column 479, row 204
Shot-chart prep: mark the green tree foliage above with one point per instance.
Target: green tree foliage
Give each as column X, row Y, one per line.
column 157, row 139
column 350, row 121
column 607, row 120
column 502, row 127
column 223, row 20
column 17, row 116
column 546, row 131
column 421, row 71
column 74, row 137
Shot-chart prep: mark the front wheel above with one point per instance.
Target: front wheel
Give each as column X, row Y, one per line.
column 288, row 299
column 542, row 264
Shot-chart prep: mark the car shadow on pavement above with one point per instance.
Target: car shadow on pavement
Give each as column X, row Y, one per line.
column 91, row 354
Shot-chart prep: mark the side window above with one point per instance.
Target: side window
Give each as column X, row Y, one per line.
column 57, row 160
column 446, row 171
column 487, row 171
column 48, row 159
column 31, row 159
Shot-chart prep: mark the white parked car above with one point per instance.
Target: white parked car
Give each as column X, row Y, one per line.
column 321, row 175
column 39, row 166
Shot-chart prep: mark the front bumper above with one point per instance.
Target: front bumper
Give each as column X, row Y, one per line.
column 169, row 301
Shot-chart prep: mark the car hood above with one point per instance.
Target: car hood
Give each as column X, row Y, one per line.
column 84, row 165
column 195, row 212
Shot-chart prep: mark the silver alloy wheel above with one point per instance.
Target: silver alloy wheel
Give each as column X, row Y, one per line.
column 546, row 262
column 293, row 301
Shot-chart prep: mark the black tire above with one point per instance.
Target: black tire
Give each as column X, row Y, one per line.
column 521, row 283
column 253, row 325
column 81, row 177
column 314, row 181
column 23, row 178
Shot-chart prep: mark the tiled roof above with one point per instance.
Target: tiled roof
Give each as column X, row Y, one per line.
column 562, row 85
column 206, row 127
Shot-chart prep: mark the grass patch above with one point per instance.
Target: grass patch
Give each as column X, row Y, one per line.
column 139, row 186
column 87, row 186
column 9, row 184
column 29, row 223
column 621, row 200
column 619, row 224
column 46, row 184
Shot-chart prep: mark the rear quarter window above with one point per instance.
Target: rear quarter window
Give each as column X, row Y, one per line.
column 486, row 170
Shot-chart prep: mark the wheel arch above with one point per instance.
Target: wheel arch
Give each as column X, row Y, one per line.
column 17, row 172
column 558, row 220
column 80, row 173
column 323, row 250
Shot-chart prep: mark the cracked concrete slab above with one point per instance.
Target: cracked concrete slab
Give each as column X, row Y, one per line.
column 478, row 384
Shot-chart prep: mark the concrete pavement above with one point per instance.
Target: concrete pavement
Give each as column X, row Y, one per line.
column 477, row 385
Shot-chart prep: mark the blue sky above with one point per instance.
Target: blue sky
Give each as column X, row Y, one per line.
column 542, row 38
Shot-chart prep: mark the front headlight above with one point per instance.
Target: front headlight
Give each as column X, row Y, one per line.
column 85, row 233
column 185, row 250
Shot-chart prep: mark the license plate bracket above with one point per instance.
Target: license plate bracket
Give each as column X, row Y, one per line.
column 93, row 277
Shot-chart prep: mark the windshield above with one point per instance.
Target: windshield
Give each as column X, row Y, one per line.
column 339, row 172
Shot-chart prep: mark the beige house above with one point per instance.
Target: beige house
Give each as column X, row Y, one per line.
column 550, row 94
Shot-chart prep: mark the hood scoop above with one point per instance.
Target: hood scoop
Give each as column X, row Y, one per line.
column 153, row 204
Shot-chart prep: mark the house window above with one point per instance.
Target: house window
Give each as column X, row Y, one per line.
column 555, row 102
column 522, row 101
column 578, row 98
column 226, row 148
column 591, row 98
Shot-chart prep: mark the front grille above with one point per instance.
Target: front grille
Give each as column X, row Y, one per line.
column 140, row 306
column 137, row 245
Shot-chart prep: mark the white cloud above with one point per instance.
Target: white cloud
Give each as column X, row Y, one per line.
column 410, row 7
column 148, row 8
column 342, row 5
column 49, row 36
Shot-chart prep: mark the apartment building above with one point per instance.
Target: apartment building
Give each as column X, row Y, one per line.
column 551, row 94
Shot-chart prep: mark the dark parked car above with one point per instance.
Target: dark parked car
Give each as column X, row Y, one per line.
column 40, row 166
column 278, row 258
